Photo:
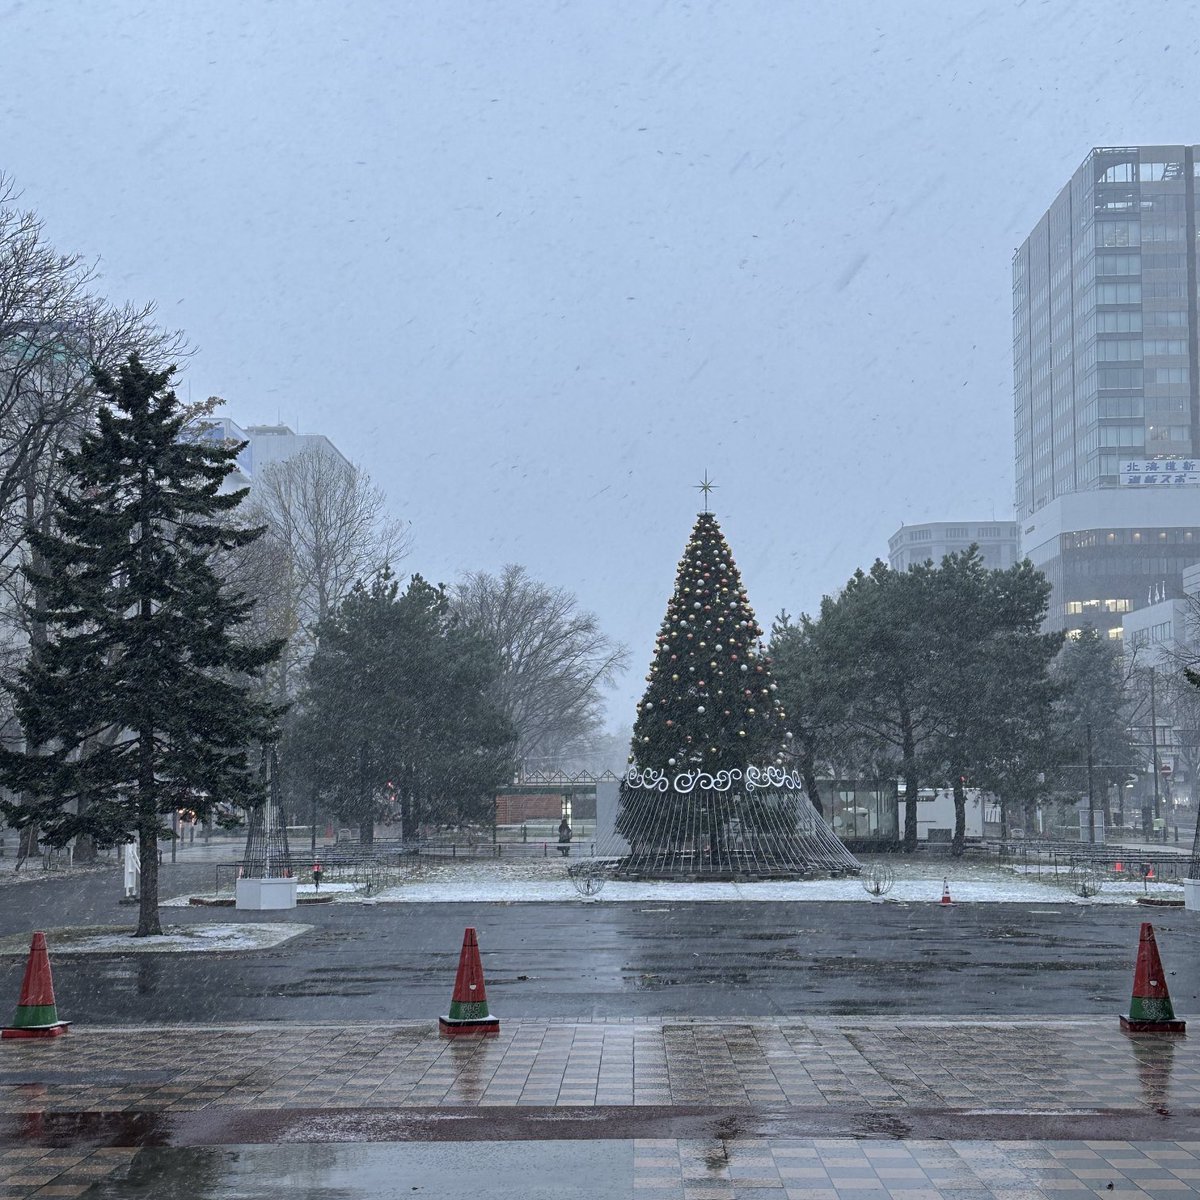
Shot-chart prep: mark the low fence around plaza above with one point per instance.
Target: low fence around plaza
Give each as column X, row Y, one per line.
column 387, row 864
column 1120, row 861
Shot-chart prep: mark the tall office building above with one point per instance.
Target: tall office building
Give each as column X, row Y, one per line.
column 1107, row 413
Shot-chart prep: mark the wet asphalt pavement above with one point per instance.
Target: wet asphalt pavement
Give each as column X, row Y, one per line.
column 438, row 1171
column 397, row 961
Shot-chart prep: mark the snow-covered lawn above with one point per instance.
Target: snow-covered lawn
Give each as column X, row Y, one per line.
column 917, row 882
column 176, row 939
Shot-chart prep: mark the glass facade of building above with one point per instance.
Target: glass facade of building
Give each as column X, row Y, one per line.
column 1104, row 324
column 1097, row 576
column 1105, row 370
column 860, row 809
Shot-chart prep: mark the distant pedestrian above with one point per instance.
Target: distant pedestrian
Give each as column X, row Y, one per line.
column 564, row 838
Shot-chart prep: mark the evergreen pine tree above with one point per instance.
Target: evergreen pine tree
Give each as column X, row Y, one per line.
column 139, row 703
column 401, row 702
column 710, row 703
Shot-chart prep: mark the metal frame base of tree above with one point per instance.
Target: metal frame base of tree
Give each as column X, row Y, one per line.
column 771, row 832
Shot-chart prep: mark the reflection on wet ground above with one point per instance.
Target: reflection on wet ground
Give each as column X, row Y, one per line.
column 840, row 1108
column 885, row 1064
column 438, row 1171
column 620, row 960
column 724, row 1166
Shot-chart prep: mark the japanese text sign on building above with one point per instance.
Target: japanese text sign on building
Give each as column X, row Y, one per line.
column 1160, row 472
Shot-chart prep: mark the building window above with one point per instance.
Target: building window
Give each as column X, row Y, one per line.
column 1121, row 435
column 1122, row 377
column 1162, row 262
column 1118, row 264
column 1120, row 350
column 1119, row 321
column 1168, row 316
column 1156, row 172
column 1119, row 293
column 1118, row 233
column 1115, row 632
column 1161, row 375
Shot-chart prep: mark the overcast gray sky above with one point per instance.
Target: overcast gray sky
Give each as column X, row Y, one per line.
column 537, row 266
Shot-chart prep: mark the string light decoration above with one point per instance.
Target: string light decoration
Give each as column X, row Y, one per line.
column 708, row 792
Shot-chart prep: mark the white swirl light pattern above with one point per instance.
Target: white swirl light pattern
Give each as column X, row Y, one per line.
column 772, row 779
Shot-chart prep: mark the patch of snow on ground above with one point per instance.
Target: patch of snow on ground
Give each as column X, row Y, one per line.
column 186, row 939
column 917, row 882
column 339, row 891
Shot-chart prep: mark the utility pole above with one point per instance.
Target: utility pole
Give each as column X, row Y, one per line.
column 1091, row 790
column 313, row 814
column 1154, row 735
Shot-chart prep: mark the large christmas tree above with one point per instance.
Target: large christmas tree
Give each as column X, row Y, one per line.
column 710, row 703
column 708, row 792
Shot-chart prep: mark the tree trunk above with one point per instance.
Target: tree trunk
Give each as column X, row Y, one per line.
column 366, row 810
column 85, row 849
column 960, row 815
column 809, row 775
column 148, row 922
column 911, row 783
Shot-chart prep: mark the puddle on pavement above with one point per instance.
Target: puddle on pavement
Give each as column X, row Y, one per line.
column 571, row 1170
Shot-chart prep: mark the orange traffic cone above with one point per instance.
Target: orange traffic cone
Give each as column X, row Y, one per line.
column 946, row 892
column 469, row 1015
column 37, row 1016
column 1150, row 1010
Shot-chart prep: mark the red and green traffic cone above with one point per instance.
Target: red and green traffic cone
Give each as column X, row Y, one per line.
column 468, row 1016
column 37, row 1015
column 1150, row 1010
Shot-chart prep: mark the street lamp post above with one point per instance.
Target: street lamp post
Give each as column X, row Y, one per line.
column 1091, row 789
column 1154, row 743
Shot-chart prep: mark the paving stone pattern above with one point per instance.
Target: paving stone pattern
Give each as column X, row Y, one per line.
column 1059, row 1065
column 40, row 1171
column 836, row 1169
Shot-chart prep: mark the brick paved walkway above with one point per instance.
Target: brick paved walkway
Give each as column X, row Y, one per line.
column 1050, row 1064
column 939, row 1072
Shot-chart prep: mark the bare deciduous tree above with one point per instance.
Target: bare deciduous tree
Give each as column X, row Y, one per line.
column 556, row 659
column 327, row 528
column 55, row 329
